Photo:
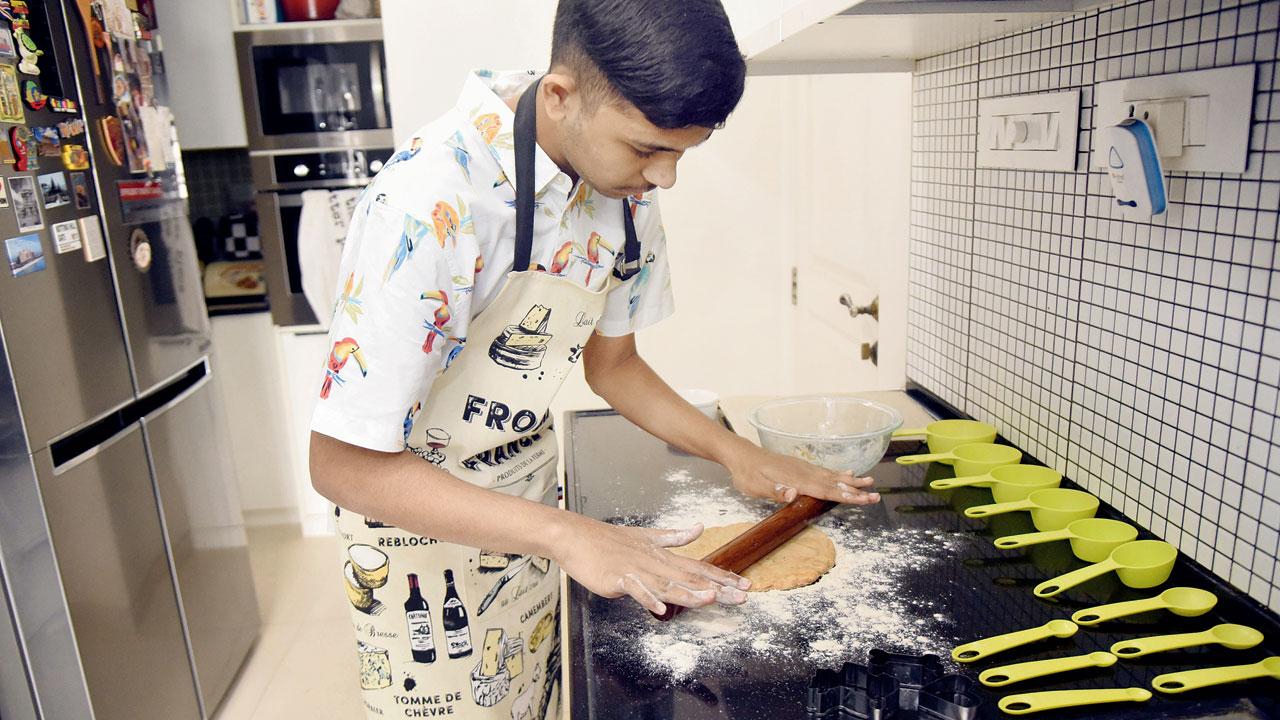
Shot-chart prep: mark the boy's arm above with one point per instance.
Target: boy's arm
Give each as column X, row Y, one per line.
column 617, row 373
column 608, row 560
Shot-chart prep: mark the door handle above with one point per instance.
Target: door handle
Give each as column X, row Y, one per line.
column 855, row 310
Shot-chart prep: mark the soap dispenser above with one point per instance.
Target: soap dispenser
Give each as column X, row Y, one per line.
column 1134, row 166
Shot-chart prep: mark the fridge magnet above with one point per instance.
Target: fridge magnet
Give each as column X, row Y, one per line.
column 95, row 248
column 113, row 138
column 64, row 105
column 4, row 196
column 66, row 236
column 140, row 249
column 6, row 153
column 26, row 254
column 16, row 13
column 26, row 202
column 119, row 88
column 75, row 157
column 117, row 17
column 80, row 190
column 29, row 52
column 7, row 48
column 36, row 100
column 10, row 96
column 136, row 146
column 47, row 141
column 68, row 129
column 21, row 144
column 54, row 188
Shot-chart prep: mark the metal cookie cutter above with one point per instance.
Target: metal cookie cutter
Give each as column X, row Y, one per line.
column 855, row 692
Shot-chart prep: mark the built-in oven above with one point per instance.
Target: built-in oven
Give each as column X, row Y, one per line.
column 321, row 85
column 280, row 179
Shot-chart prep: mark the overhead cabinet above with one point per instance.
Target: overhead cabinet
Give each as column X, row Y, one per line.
column 821, row 36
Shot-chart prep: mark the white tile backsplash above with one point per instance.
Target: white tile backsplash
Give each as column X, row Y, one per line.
column 1140, row 358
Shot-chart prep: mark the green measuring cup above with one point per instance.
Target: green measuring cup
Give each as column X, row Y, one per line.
column 1008, row 483
column 1051, row 509
column 1092, row 539
column 1139, row 564
column 946, row 435
column 971, row 459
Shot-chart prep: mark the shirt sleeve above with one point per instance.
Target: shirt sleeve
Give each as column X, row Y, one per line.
column 646, row 299
column 392, row 327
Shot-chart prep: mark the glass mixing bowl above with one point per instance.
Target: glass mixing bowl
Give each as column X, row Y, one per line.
column 837, row 433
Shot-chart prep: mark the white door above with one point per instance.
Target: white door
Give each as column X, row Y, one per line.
column 853, row 203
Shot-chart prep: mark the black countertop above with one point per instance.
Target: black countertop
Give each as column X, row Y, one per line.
column 618, row 473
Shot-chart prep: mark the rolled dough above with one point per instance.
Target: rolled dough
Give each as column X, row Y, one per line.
column 798, row 562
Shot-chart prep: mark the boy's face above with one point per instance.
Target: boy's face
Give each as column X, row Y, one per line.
column 619, row 152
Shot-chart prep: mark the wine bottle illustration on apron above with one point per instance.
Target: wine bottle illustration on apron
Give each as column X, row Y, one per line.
column 457, row 629
column 418, row 615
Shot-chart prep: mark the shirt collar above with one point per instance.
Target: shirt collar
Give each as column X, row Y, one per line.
column 482, row 103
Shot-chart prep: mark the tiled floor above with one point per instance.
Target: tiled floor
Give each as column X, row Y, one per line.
column 304, row 663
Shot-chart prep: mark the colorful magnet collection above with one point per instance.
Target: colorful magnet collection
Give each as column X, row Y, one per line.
column 22, row 61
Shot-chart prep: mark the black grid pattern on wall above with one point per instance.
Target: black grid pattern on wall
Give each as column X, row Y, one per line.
column 943, row 152
column 218, row 182
column 1140, row 357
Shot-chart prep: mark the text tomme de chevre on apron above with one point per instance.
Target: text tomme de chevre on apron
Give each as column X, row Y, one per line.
column 444, row 629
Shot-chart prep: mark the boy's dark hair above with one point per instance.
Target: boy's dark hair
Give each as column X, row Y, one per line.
column 675, row 60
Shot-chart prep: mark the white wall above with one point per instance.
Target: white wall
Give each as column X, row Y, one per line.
column 749, row 16
column 200, row 60
column 432, row 45
column 731, row 219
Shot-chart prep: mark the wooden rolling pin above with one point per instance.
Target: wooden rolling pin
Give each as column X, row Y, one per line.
column 761, row 539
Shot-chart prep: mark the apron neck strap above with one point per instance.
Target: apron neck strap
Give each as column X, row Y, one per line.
column 526, row 144
column 526, row 133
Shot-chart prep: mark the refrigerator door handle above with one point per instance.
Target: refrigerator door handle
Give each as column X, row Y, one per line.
column 85, row 444
column 157, row 403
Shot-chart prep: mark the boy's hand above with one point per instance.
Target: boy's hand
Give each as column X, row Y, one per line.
column 760, row 473
column 615, row 560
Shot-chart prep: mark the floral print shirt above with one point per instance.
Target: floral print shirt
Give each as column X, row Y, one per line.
column 430, row 245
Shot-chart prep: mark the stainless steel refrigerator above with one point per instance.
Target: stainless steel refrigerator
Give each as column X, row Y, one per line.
column 124, row 569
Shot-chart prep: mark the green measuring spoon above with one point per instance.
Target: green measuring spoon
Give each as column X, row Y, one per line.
column 1184, row 601
column 1236, row 637
column 978, row 649
column 1010, row 674
column 1053, row 699
column 1195, row 679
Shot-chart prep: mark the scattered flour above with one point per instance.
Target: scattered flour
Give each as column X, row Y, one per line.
column 858, row 605
column 678, row 477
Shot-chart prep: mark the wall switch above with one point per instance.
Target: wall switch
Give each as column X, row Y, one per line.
column 1200, row 119
column 1029, row 132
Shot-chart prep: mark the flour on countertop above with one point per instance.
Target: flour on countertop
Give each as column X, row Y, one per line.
column 856, row 606
column 678, row 477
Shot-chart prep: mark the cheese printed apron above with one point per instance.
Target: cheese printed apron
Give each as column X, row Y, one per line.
column 447, row 630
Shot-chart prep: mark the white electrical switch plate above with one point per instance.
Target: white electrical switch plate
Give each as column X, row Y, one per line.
column 1029, row 132
column 1200, row 119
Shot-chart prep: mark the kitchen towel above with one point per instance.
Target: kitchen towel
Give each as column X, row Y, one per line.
column 322, row 229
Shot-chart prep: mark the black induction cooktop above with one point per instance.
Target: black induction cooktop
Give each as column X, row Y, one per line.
column 615, row 473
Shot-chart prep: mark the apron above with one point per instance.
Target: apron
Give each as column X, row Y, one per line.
column 448, row 630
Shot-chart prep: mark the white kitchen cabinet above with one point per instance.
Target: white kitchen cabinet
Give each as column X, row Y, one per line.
column 245, row 364
column 204, row 86
column 302, row 356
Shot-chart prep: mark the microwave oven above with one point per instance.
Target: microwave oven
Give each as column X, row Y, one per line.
column 322, row 85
